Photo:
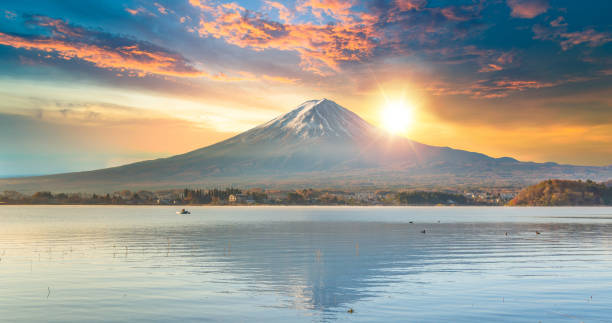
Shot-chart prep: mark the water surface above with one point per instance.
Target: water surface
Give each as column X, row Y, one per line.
column 76, row 263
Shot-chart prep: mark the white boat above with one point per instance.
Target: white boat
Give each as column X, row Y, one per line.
column 183, row 212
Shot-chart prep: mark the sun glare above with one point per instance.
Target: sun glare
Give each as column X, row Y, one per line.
column 397, row 117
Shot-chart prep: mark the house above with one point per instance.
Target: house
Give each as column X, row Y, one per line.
column 238, row 198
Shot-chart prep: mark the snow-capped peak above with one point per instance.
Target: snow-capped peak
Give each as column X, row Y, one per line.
column 319, row 118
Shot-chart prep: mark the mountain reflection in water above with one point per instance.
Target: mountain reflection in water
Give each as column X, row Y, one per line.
column 305, row 264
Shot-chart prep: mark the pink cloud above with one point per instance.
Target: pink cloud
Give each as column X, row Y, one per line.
column 559, row 22
column 527, row 8
column 589, row 37
column 463, row 13
column 406, row 5
column 567, row 40
column 9, row 14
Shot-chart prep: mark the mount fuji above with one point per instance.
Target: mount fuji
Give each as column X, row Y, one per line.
column 318, row 144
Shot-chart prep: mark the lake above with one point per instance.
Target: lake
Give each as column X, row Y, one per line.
column 304, row 264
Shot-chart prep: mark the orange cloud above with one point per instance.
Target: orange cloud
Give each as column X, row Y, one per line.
column 130, row 58
column 320, row 47
column 519, row 85
column 125, row 56
column 103, row 50
column 163, row 10
column 137, row 11
column 490, row 68
column 200, row 4
column 502, row 88
column 489, row 89
column 527, row 8
column 58, row 27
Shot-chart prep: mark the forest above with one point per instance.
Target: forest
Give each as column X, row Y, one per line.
column 556, row 192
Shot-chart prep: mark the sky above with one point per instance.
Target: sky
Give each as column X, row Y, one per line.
column 92, row 84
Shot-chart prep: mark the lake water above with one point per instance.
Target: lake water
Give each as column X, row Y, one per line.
column 281, row 264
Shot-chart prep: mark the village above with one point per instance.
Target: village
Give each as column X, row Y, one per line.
column 260, row 196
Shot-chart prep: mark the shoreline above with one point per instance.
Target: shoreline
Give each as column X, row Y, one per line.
column 312, row 206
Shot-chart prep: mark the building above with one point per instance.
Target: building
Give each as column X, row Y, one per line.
column 238, row 198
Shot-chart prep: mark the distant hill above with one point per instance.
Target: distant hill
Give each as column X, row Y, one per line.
column 557, row 192
column 318, row 144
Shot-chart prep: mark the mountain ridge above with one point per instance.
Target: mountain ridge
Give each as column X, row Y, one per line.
column 317, row 144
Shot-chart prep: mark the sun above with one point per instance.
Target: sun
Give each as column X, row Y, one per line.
column 397, row 117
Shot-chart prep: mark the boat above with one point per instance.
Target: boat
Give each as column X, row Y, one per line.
column 183, row 212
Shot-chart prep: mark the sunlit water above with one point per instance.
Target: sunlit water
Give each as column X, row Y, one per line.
column 66, row 263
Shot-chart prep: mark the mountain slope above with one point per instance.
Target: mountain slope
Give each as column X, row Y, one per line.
column 318, row 144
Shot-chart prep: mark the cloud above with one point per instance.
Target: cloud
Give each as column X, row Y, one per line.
column 342, row 33
column 122, row 55
column 9, row 14
column 487, row 60
column 559, row 22
column 498, row 87
column 406, row 5
column 492, row 61
column 527, row 8
column 139, row 11
column 490, row 68
column 567, row 40
column 589, row 37
column 329, row 34
column 101, row 49
column 338, row 9
column 412, row 26
column 200, row 4
column 163, row 10
column 501, row 88
column 321, row 47
column 462, row 13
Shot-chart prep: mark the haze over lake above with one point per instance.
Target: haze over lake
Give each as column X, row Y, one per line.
column 86, row 263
